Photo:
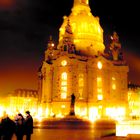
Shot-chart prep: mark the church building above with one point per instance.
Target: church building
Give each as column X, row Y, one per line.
column 79, row 65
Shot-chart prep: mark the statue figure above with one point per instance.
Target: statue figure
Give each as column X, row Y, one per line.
column 68, row 44
column 115, row 46
column 72, row 99
column 72, row 112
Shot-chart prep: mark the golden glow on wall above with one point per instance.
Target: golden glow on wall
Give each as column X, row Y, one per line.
column 100, row 97
column 64, row 63
column 64, row 85
column 113, row 86
column 81, row 111
column 93, row 113
column 99, row 65
column 115, row 112
column 99, row 88
column 81, row 85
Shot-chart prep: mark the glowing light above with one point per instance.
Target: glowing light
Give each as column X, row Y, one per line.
column 99, row 89
column 64, row 63
column 63, row 95
column 63, row 106
column 114, row 86
column 116, row 113
column 127, row 128
column 99, row 79
column 40, row 111
column 83, row 111
column 100, row 97
column 47, row 112
column 1, row 111
column 63, row 83
column 99, row 65
column 64, row 76
column 52, row 44
column 60, row 115
column 93, row 113
column 39, row 118
column 113, row 78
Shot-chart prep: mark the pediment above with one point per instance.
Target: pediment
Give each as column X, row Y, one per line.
column 94, row 61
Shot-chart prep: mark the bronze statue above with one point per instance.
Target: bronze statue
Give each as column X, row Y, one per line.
column 72, row 99
column 72, row 112
column 115, row 46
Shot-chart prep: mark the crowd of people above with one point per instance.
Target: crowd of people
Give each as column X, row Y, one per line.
column 19, row 126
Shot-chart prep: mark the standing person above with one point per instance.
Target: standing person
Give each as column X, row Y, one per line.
column 0, row 131
column 8, row 128
column 28, row 125
column 19, row 128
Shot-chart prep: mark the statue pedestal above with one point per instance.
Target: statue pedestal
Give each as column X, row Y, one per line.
column 72, row 112
column 104, row 127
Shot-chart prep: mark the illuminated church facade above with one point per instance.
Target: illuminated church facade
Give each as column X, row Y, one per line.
column 79, row 65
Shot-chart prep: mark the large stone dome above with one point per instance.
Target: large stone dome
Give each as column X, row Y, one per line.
column 87, row 32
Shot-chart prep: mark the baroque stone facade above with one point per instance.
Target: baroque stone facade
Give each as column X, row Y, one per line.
column 78, row 65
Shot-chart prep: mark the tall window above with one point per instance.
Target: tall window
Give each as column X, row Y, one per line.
column 81, row 85
column 64, row 85
column 99, row 65
column 99, row 88
column 113, row 83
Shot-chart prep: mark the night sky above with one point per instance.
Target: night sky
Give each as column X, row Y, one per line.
column 25, row 26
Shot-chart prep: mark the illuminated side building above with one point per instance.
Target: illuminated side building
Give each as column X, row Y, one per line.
column 78, row 65
column 134, row 100
column 4, row 105
column 22, row 100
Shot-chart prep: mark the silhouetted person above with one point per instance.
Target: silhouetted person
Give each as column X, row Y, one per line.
column 28, row 125
column 0, row 131
column 19, row 129
column 8, row 128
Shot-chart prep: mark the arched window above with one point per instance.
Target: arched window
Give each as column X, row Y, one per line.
column 81, row 85
column 64, row 85
column 99, row 88
column 113, row 83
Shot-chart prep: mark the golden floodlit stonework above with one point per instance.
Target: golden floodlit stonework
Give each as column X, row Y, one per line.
column 79, row 65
